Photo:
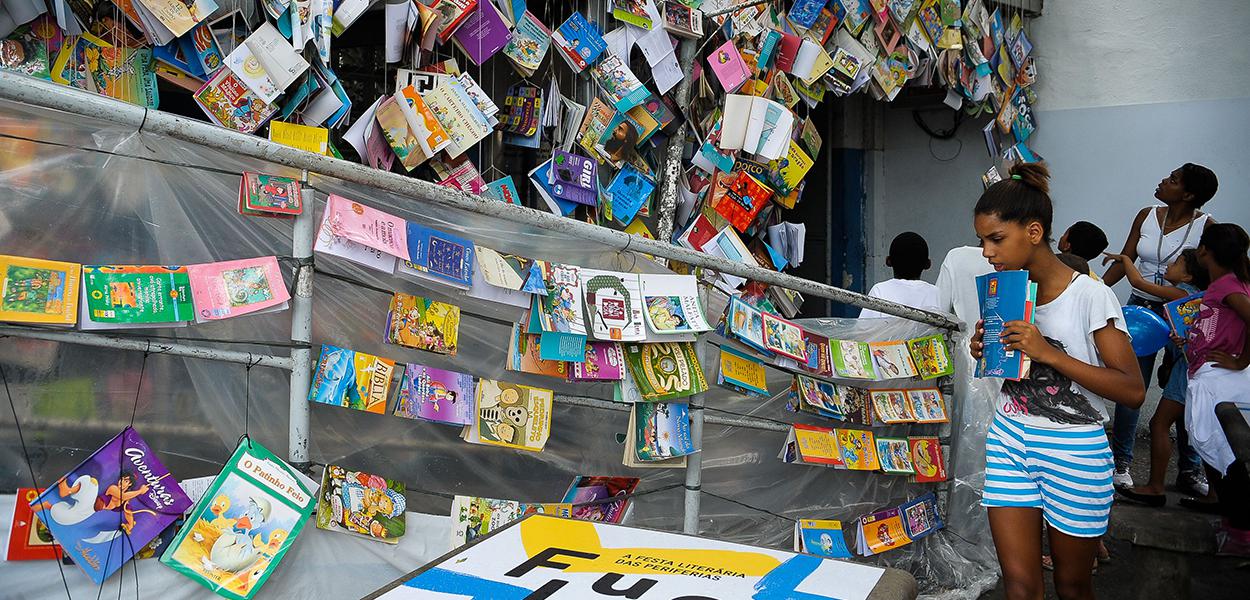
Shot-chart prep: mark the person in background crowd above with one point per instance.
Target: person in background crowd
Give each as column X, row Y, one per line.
column 1074, row 262
column 1159, row 235
column 1083, row 239
column 1047, row 456
column 957, row 284
column 909, row 257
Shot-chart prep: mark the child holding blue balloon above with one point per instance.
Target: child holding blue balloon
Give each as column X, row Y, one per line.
column 1185, row 276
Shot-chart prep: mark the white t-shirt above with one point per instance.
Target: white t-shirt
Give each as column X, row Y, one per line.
column 1156, row 251
column 957, row 283
column 908, row 292
column 1048, row 398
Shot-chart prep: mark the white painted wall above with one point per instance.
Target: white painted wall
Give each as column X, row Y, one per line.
column 1127, row 91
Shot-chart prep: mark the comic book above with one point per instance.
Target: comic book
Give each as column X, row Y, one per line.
column 233, row 288
column 436, row 395
column 895, row 456
column 927, row 405
column 243, row 525
column 892, row 406
column 817, row 396
column 351, row 379
column 262, row 195
column 229, row 103
column 859, row 449
column 29, row 537
column 560, row 310
column 110, row 505
column 881, row 531
column 852, row 359
column 1182, row 313
column 820, row 537
column 931, row 357
column 665, row 371
column 892, row 360
column 424, row 324
column 529, row 44
column 510, row 415
column 137, row 294
column 362, row 504
column 605, row 361
column 926, row 455
column 33, row 290
column 586, row 489
column 618, row 82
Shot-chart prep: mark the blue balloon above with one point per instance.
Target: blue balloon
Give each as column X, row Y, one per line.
column 1150, row 332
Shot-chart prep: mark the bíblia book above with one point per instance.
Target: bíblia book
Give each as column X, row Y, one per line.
column 351, row 379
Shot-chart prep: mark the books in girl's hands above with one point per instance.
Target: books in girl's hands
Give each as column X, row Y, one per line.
column 436, row 395
column 578, row 42
column 262, row 195
column 440, row 256
column 363, row 504
column 34, row 290
column 892, row 406
column 458, row 114
column 931, row 356
column 351, row 379
column 574, row 178
column 423, row 324
column 682, row 21
column 742, row 373
column 881, row 531
column 1003, row 297
column 243, row 524
column 618, row 82
column 859, row 449
column 233, row 288
column 920, row 516
column 927, row 405
column 895, row 456
column 146, row 294
column 812, row 445
column 29, row 537
column 661, row 431
column 892, row 360
column 665, row 371
column 510, row 415
column 633, row 12
column 731, row 71
column 1182, row 313
column 605, row 361
column 112, row 504
column 820, row 537
column 852, row 359
column 784, row 338
column 614, row 304
column 673, row 305
column 586, row 489
column 926, row 456
column 745, row 323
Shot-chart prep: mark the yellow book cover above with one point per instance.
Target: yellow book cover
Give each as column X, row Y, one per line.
column 859, row 449
column 739, row 370
column 512, row 416
column 423, row 324
column 300, row 137
column 817, row 445
column 33, row 290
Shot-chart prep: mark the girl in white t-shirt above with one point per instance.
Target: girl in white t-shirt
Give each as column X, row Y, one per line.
column 1046, row 453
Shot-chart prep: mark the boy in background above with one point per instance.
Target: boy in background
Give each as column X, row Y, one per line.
column 909, row 257
column 1083, row 239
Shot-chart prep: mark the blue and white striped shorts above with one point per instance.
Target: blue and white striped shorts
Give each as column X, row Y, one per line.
column 1064, row 472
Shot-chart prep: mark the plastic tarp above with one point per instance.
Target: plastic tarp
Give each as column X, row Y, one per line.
column 81, row 189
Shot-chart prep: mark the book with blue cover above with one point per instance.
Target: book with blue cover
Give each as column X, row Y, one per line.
column 820, row 537
column 1004, row 297
column 579, row 42
column 440, row 256
column 1182, row 313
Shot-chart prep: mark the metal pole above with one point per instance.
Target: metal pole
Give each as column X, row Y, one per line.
column 694, row 462
column 36, row 92
column 301, row 332
column 149, row 345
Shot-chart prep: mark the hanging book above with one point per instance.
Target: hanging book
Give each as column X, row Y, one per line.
column 783, row 337
column 931, row 357
column 808, row 444
column 731, row 71
column 362, row 504
column 920, row 516
column 458, row 114
column 633, row 12
column 745, row 323
column 818, row 396
column 367, row 225
column 335, row 245
column 243, row 524
column 262, row 195
column 560, row 310
column 852, row 359
column 110, row 505
column 892, row 360
column 454, row 12
column 665, row 371
column 587, row 491
column 926, row 456
column 507, row 271
column 892, row 406
column 816, row 347
column 629, row 192
column 927, row 405
column 881, row 531
column 661, row 431
column 484, row 33
column 440, row 256
column 855, row 404
column 574, row 178
column 859, row 449
column 605, row 361
column 436, row 395
column 510, row 415
column 351, row 379
column 33, row 290
column 137, row 294
column 614, row 303
column 233, row 288
column 673, row 304
column 741, row 372
column 525, row 356
column 895, row 456
column 529, row 44
column 682, row 21
column 619, row 83
column 631, row 458
column 578, row 42
column 29, row 537
column 820, row 537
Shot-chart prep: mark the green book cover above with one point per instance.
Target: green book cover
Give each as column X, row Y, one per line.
column 931, row 357
column 238, row 532
column 851, row 359
column 665, row 371
column 137, row 294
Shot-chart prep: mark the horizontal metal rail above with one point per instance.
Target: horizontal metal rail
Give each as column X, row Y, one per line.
column 154, row 346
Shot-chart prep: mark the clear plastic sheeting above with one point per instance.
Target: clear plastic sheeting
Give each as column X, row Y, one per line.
column 80, row 189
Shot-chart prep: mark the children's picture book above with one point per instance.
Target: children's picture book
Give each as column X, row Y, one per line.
column 928, row 405
column 334, row 245
column 673, row 304
column 859, row 449
column 742, row 199
column 614, row 303
column 262, row 195
column 1003, row 297
column 818, row 396
column 232, row 288
column 110, row 505
column 578, row 42
column 605, row 361
column 243, row 524
column 1182, row 313
column 618, row 82
column 816, row 348
column 529, row 44
column 665, row 371
column 731, row 71
column 812, row 445
column 436, row 395
column 920, row 516
column 892, row 360
column 560, row 310
column 511, row 415
column 525, row 355
column 892, row 406
column 34, row 290
column 926, row 456
column 403, row 140
column 820, row 537
column 362, row 504
column 662, row 430
column 352, row 379
column 594, row 494
column 855, row 404
column 229, row 103
column 454, row 14
column 931, row 356
column 29, row 537
column 784, row 338
column 852, row 359
column 440, row 256
column 895, row 456
column 473, row 517
column 458, row 114
column 423, row 324
column 30, row 48
column 745, row 323
column 881, row 531
column 633, row 12
column 740, row 372
column 137, row 294
column 683, row 21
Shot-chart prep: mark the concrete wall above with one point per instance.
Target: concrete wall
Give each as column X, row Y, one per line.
column 1127, row 91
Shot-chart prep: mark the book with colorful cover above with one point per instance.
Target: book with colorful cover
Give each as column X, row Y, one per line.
column 525, row 355
column 920, row 516
column 574, row 178
column 629, row 191
column 820, row 537
column 1003, row 298
column 423, row 324
column 579, row 42
column 29, row 537
column 458, row 114
column 586, row 489
column 454, row 14
column 529, row 44
column 817, row 396
column 361, row 504
column 895, row 456
column 618, row 82
column 229, row 103
column 881, row 531
column 743, row 199
column 605, row 361
column 633, row 12
column 233, row 288
column 473, row 517
column 137, row 294
column 731, row 71
column 859, row 449
column 1182, row 313
column 510, row 415
column 262, row 195
column 931, row 356
column 243, row 524
column 351, row 379
column 34, row 290
column 741, row 372
column 892, row 406
column 745, row 323
column 560, row 309
column 110, row 505
column 673, row 305
column 926, row 456
column 436, row 395
column 367, row 225
column 803, row 13
column 594, row 123
column 440, row 256
column 817, row 351
column 29, row 49
column 665, row 371
column 809, row 444
column 422, row 122
column 395, row 127
column 784, row 337
column 852, row 359
column 928, row 405
column 662, row 430
column 892, row 360
column 614, row 304
column 855, row 404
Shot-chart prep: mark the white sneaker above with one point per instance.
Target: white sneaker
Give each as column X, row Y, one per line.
column 1121, row 478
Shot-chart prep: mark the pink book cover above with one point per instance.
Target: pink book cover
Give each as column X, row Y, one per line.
column 604, row 361
column 369, row 226
column 232, row 288
column 729, row 67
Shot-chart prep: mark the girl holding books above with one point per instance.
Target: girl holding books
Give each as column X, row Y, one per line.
column 1219, row 352
column 1047, row 456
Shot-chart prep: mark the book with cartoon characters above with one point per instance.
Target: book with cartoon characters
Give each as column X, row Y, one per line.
column 594, row 495
column 855, row 404
column 895, row 456
column 820, row 537
column 931, row 357
column 927, row 405
column 232, row 288
column 525, row 356
column 881, row 531
column 579, row 43
column 892, row 406
column 436, row 395
column 745, row 323
column 920, row 516
column 614, row 303
column 784, row 338
column 423, row 324
column 262, row 195
column 1182, row 313
column 29, row 537
column 926, row 456
column 859, row 449
column 661, row 430
column 673, row 305
column 473, row 517
column 243, row 525
column 812, row 445
column 510, row 415
column 361, row 504
column 742, row 373
column 817, row 396
column 110, row 505
column 852, row 359
column 351, row 379
column 34, row 290
column 892, row 360
column 605, row 361
column 665, row 371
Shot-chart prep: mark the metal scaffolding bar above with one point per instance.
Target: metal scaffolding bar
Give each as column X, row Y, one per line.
column 301, row 331
column 101, row 340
